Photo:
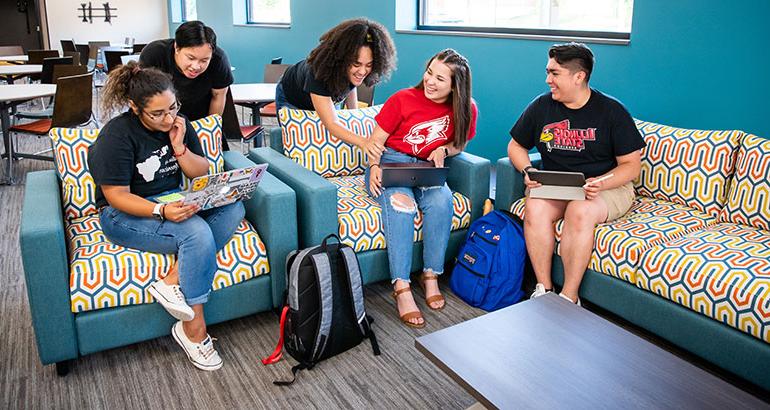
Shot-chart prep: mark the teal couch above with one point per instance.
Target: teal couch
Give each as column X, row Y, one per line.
column 62, row 335
column 669, row 307
column 317, row 200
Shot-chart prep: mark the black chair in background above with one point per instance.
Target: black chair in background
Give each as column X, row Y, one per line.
column 112, row 59
column 37, row 56
column 75, row 57
column 46, row 76
column 276, row 60
column 84, row 50
column 11, row 51
column 68, row 45
column 365, row 94
column 68, row 71
column 137, row 48
column 233, row 129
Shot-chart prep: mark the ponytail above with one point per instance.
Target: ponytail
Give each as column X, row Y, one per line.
column 131, row 82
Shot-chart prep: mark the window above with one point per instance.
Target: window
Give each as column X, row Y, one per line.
column 184, row 10
column 268, row 12
column 610, row 19
column 189, row 10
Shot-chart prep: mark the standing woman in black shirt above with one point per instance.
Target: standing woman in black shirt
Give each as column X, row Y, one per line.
column 355, row 52
column 141, row 153
column 200, row 70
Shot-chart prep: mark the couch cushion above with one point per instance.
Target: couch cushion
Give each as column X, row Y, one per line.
column 306, row 140
column 749, row 200
column 619, row 244
column 722, row 271
column 689, row 167
column 103, row 274
column 77, row 184
column 360, row 215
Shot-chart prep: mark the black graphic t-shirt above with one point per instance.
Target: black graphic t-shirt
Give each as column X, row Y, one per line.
column 194, row 94
column 586, row 140
column 298, row 82
column 128, row 154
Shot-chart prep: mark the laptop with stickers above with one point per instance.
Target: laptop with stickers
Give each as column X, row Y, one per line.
column 224, row 188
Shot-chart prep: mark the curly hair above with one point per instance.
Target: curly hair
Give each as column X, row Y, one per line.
column 338, row 50
column 135, row 83
column 461, row 95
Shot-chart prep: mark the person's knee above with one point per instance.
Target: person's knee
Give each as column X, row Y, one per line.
column 403, row 203
column 197, row 233
column 581, row 216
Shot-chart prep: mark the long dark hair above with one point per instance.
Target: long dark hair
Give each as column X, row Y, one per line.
column 130, row 82
column 193, row 34
column 461, row 93
column 338, row 50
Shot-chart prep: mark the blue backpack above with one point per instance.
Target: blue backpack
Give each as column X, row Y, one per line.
column 489, row 268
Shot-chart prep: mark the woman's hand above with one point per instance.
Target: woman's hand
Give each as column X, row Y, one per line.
column 438, row 156
column 178, row 211
column 372, row 149
column 176, row 135
column 375, row 180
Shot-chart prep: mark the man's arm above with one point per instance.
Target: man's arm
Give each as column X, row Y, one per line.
column 518, row 155
column 217, row 104
column 628, row 168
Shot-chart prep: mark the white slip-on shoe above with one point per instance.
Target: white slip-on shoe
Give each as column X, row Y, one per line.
column 539, row 291
column 172, row 299
column 570, row 300
column 202, row 355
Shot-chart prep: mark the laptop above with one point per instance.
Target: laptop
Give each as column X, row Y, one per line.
column 562, row 185
column 224, row 188
column 412, row 174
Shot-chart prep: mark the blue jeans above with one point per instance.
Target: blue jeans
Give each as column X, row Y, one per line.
column 195, row 240
column 280, row 99
column 398, row 222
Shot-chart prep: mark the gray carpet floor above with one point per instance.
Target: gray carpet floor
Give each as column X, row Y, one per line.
column 156, row 374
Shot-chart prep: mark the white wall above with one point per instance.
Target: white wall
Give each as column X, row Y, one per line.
column 145, row 20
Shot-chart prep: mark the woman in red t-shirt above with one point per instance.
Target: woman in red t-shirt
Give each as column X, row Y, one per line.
column 429, row 122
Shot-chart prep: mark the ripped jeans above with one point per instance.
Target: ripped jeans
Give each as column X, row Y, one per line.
column 398, row 222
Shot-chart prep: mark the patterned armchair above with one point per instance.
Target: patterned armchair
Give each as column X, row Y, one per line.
column 327, row 176
column 87, row 294
column 690, row 261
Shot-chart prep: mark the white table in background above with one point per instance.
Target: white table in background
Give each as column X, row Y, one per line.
column 11, row 96
column 16, row 59
column 8, row 72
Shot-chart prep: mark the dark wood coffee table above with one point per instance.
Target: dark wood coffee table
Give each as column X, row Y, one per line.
column 548, row 353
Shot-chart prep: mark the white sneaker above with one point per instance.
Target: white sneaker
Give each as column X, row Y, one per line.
column 570, row 300
column 202, row 355
column 539, row 291
column 172, row 299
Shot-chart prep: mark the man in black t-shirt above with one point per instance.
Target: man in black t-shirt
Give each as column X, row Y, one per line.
column 200, row 70
column 575, row 128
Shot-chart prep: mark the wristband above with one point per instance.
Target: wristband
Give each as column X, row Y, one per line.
column 183, row 152
column 524, row 171
column 446, row 151
column 375, row 165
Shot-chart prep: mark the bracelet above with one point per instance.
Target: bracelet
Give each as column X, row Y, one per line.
column 375, row 165
column 524, row 171
column 446, row 151
column 163, row 211
column 183, row 152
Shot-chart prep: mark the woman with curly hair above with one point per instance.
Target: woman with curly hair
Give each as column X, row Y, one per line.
column 426, row 123
column 355, row 52
column 142, row 153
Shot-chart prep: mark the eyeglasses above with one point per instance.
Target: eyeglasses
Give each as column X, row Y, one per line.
column 160, row 116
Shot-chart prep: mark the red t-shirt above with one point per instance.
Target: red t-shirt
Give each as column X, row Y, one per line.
column 417, row 125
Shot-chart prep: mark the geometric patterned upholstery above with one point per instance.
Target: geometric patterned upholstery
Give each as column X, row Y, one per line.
column 104, row 275
column 360, row 216
column 619, row 244
column 749, row 199
column 722, row 272
column 307, row 141
column 690, row 167
column 77, row 184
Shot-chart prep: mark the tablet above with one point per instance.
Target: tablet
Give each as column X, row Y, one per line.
column 413, row 174
column 561, row 185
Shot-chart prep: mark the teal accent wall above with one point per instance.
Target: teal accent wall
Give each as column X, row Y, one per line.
column 691, row 63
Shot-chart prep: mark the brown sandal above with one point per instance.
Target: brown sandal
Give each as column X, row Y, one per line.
column 435, row 298
column 406, row 317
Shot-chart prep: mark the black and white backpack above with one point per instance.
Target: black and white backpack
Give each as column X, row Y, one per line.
column 324, row 312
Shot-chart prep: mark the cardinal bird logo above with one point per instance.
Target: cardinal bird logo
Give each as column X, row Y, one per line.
column 425, row 133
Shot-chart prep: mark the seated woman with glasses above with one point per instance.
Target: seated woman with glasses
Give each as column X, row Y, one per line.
column 141, row 153
column 355, row 52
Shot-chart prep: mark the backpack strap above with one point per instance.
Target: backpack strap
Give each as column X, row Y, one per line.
column 294, row 370
column 322, row 267
column 357, row 296
column 292, row 273
column 278, row 353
